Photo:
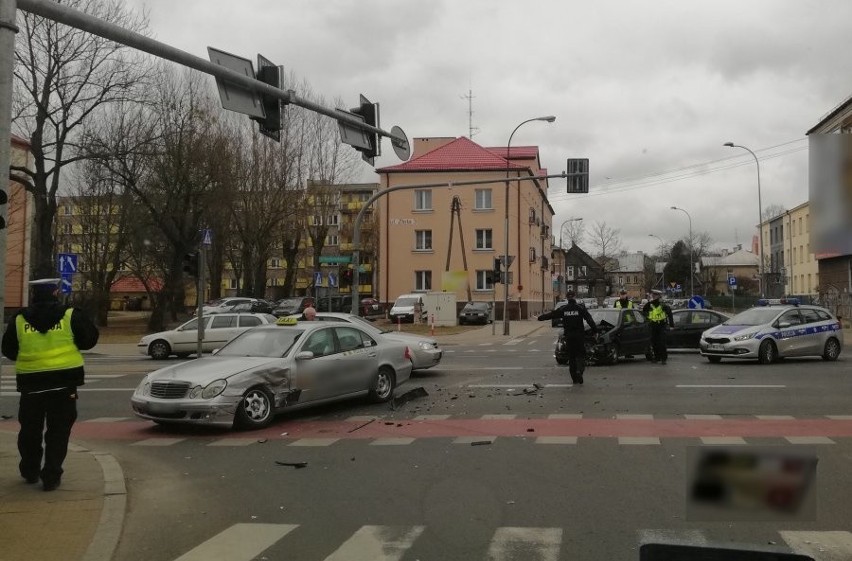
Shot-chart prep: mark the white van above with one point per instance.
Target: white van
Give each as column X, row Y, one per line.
column 405, row 308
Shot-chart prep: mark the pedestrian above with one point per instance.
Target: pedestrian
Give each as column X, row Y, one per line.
column 623, row 303
column 45, row 339
column 659, row 315
column 571, row 316
column 309, row 314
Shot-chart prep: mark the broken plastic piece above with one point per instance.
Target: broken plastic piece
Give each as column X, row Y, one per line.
column 408, row 396
column 297, row 465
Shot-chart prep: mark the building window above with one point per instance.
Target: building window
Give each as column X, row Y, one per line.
column 364, row 197
column 807, row 223
column 66, row 228
column 794, row 256
column 801, row 254
column 532, row 255
column 583, row 271
column 233, row 284
column 569, row 272
column 809, row 283
column 482, row 281
column 275, row 263
column 66, row 210
column 620, row 281
column 331, row 239
column 483, row 239
column 483, row 199
column 317, row 220
column 809, row 253
column 422, row 281
column 422, row 199
column 800, row 225
column 423, row 240
column 532, row 216
column 334, row 220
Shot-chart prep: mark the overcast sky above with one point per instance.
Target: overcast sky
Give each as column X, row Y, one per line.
column 639, row 88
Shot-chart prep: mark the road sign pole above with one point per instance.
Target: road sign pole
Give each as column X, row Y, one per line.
column 199, row 289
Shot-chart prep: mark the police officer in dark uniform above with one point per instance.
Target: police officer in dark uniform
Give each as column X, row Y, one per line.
column 45, row 340
column 572, row 315
column 659, row 316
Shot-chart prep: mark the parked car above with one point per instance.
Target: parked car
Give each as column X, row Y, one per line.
column 289, row 306
column 425, row 351
column 223, row 304
column 183, row 340
column 254, row 307
column 406, row 308
column 475, row 312
column 621, row 333
column 273, row 368
column 775, row 329
column 689, row 325
column 371, row 308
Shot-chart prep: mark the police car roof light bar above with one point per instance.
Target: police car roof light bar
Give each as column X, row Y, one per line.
column 778, row 302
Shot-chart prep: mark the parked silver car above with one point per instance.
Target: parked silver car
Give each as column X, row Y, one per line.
column 775, row 329
column 271, row 368
column 183, row 340
column 425, row 351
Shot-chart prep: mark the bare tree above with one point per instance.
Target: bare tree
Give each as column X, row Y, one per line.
column 772, row 211
column 573, row 232
column 607, row 244
column 62, row 77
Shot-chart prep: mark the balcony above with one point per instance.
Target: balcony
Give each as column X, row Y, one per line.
column 545, row 264
column 353, row 207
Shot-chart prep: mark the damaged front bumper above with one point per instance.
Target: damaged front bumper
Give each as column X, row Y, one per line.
column 219, row 411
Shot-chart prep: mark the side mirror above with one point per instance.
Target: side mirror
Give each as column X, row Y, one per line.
column 304, row 355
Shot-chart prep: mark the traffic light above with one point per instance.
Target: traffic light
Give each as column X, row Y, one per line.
column 497, row 274
column 4, row 200
column 190, row 264
column 270, row 74
column 370, row 112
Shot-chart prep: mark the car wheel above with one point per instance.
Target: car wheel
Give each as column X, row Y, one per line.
column 381, row 390
column 612, row 354
column 159, row 349
column 561, row 361
column 767, row 353
column 832, row 349
column 255, row 409
column 714, row 359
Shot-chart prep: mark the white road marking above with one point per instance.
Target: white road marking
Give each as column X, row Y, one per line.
column 686, row 537
column 314, row 442
column 634, row 417
column 639, row 440
column 498, row 416
column 809, row 440
column 823, row 546
column 485, row 344
column 736, row 386
column 363, row 418
column 390, row 441
column 471, row 439
column 431, row 417
column 233, row 442
column 840, row 417
column 377, row 543
column 519, row 385
column 240, row 542
column 565, row 416
column 107, row 419
column 528, row 544
column 556, row 440
column 723, row 440
column 703, row 417
column 157, row 442
column 513, row 342
column 775, row 417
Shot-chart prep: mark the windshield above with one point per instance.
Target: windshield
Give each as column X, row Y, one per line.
column 754, row 316
column 610, row 316
column 364, row 324
column 403, row 302
column 272, row 343
column 476, row 306
column 290, row 303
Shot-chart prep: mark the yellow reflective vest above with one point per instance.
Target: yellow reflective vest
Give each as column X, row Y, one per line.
column 45, row 352
column 619, row 306
column 657, row 313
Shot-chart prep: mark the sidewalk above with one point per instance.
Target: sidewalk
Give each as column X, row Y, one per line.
column 517, row 330
column 80, row 521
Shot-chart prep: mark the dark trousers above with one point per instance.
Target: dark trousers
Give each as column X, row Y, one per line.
column 57, row 410
column 658, row 340
column 575, row 347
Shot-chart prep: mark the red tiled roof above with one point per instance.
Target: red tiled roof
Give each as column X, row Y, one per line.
column 517, row 152
column 132, row 284
column 462, row 154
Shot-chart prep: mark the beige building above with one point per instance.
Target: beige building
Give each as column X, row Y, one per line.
column 716, row 269
column 19, row 222
column 426, row 246
column 788, row 257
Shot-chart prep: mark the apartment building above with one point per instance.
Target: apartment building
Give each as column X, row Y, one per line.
column 446, row 238
column 19, row 222
column 791, row 266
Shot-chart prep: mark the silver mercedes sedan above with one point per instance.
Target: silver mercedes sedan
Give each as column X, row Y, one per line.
column 268, row 369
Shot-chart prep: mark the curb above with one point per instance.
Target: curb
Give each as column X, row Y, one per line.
column 105, row 540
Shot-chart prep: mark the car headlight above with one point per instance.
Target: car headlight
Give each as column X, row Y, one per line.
column 144, row 387
column 745, row 336
column 213, row 389
column 425, row 346
column 195, row 392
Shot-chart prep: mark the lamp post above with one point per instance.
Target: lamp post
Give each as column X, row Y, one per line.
column 759, row 212
column 549, row 119
column 561, row 248
column 691, row 270
column 662, row 245
column 563, row 225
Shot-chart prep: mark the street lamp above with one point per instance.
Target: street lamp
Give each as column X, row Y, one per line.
column 549, row 119
column 759, row 211
column 563, row 225
column 691, row 270
column 662, row 245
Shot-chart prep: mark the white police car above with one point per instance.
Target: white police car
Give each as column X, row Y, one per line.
column 773, row 329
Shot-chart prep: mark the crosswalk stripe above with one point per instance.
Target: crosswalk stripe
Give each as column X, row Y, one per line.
column 565, row 416
column 633, row 417
column 233, row 442
column 703, row 417
column 107, row 419
column 638, row 440
column 556, row 440
column 240, row 542
column 512, row 342
column 822, row 546
column 499, row 417
column 689, row 537
column 431, row 417
column 538, row 544
column 314, row 442
column 485, row 344
column 391, row 441
column 775, row 417
column 377, row 543
column 808, row 440
column 840, row 417
column 722, row 440
column 472, row 439
column 158, row 442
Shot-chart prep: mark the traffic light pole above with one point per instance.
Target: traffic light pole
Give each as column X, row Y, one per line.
column 199, row 292
column 356, row 230
column 7, row 48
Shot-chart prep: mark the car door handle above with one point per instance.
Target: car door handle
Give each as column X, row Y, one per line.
column 373, row 355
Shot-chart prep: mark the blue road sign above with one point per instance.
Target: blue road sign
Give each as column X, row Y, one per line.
column 332, row 279
column 677, row 287
column 65, row 285
column 696, row 303
column 317, row 278
column 208, row 237
column 732, row 282
column 66, row 263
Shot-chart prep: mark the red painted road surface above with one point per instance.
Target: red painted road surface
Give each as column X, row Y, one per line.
column 601, row 428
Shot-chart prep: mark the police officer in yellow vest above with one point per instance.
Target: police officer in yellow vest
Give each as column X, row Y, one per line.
column 624, row 302
column 659, row 315
column 45, row 340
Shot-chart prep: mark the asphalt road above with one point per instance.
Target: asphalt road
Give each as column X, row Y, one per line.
column 489, row 466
